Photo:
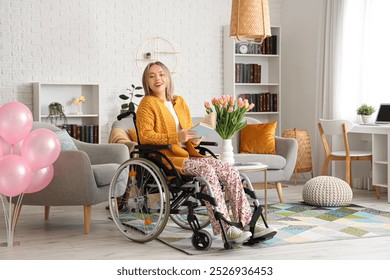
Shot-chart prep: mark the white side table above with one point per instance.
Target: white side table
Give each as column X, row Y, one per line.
column 254, row 167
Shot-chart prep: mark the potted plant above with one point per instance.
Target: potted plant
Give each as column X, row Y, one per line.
column 229, row 120
column 365, row 111
column 56, row 112
column 129, row 105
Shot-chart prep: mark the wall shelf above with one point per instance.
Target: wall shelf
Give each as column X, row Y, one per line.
column 65, row 93
column 270, row 74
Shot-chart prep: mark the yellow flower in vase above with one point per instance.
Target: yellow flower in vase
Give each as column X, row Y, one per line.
column 78, row 101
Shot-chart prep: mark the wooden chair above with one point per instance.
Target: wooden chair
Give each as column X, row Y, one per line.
column 341, row 127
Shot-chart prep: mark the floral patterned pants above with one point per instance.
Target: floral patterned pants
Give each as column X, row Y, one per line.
column 214, row 170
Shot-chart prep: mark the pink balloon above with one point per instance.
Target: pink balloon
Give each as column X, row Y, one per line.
column 17, row 148
column 15, row 121
column 41, row 148
column 40, row 179
column 15, row 175
column 5, row 148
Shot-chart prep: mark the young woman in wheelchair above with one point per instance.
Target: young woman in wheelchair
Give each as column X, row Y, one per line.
column 163, row 118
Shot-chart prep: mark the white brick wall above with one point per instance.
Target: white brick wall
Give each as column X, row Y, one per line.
column 95, row 41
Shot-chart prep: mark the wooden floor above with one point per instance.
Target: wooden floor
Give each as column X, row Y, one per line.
column 62, row 238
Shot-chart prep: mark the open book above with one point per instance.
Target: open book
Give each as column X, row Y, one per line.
column 205, row 126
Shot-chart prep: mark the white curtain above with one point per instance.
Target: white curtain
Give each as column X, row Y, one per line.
column 330, row 44
column 362, row 59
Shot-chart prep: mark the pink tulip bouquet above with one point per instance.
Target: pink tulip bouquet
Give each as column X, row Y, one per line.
column 229, row 113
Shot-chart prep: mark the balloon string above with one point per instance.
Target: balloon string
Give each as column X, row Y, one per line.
column 5, row 213
column 10, row 231
column 17, row 208
column 11, row 218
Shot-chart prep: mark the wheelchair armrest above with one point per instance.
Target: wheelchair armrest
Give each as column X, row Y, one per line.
column 154, row 151
column 204, row 151
column 207, row 143
column 153, row 147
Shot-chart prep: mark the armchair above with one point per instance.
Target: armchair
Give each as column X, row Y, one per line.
column 81, row 176
column 280, row 165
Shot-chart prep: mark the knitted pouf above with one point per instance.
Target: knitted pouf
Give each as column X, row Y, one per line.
column 327, row 191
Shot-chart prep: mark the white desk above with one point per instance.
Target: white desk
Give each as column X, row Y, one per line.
column 376, row 138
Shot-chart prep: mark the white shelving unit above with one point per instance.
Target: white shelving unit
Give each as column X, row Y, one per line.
column 63, row 93
column 380, row 156
column 270, row 75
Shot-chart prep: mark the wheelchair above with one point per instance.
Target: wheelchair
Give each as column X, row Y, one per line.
column 147, row 190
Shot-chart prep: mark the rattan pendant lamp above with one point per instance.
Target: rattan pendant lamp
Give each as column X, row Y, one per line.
column 250, row 19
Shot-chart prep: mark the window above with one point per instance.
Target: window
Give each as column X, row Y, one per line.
column 364, row 57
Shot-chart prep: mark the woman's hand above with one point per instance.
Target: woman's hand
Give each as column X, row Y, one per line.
column 184, row 135
column 196, row 141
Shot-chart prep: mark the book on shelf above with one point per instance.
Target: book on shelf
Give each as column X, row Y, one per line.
column 205, row 126
column 264, row 102
column 274, row 98
column 95, row 134
column 269, row 45
column 85, row 133
column 248, row 73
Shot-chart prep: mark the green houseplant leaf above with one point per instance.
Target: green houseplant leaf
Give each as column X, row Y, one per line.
column 365, row 110
column 128, row 97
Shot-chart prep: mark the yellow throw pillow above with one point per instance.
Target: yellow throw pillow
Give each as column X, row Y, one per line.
column 258, row 138
column 133, row 135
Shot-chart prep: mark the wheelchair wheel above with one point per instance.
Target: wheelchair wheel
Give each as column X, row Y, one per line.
column 201, row 240
column 139, row 200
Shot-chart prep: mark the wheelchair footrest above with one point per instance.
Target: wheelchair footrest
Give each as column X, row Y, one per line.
column 263, row 238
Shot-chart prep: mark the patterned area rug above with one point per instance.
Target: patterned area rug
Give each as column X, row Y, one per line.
column 298, row 223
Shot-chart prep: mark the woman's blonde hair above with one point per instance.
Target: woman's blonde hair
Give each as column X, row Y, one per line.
column 145, row 76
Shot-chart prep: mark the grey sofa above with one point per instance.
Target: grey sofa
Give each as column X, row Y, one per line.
column 280, row 166
column 81, row 177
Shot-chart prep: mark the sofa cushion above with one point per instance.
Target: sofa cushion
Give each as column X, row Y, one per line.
column 66, row 141
column 103, row 173
column 272, row 161
column 258, row 138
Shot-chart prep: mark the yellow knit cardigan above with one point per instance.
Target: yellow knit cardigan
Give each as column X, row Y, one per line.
column 156, row 126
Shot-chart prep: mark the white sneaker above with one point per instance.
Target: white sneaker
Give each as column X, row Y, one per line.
column 237, row 235
column 262, row 232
